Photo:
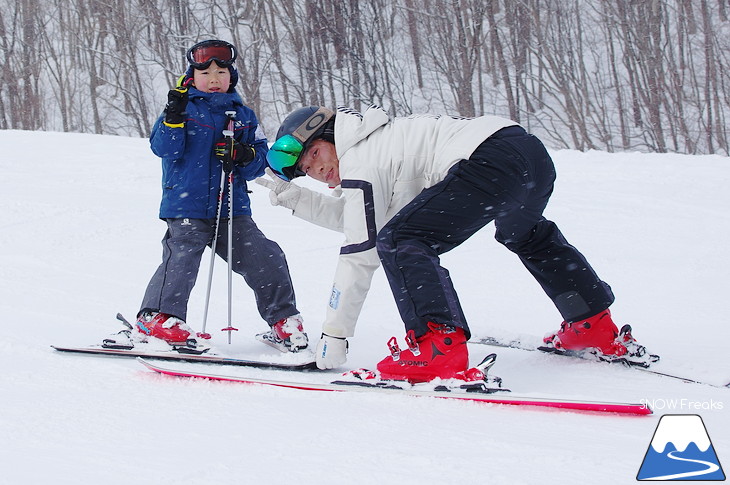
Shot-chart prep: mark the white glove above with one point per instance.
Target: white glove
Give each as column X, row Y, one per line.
column 283, row 193
column 331, row 352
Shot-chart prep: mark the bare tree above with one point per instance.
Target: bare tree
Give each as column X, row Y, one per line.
column 651, row 75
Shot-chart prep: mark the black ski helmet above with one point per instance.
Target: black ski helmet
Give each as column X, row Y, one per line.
column 296, row 132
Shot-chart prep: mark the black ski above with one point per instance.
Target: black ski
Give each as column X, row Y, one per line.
column 180, row 353
column 173, row 355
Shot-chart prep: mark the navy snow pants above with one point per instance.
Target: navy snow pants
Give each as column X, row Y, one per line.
column 259, row 260
column 508, row 179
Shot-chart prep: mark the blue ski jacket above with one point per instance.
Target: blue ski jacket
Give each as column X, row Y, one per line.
column 191, row 174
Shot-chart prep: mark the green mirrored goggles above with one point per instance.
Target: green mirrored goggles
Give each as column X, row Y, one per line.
column 284, row 155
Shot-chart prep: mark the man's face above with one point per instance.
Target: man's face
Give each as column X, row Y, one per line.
column 214, row 79
column 320, row 162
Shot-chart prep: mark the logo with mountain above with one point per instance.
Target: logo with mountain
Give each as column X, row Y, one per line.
column 681, row 450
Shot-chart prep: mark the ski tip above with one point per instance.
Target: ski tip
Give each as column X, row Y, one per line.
column 149, row 365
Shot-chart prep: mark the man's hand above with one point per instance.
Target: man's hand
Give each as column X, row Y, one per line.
column 285, row 194
column 331, row 352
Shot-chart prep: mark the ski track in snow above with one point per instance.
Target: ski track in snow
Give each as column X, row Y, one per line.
column 80, row 239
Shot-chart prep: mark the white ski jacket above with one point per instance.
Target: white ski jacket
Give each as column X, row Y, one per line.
column 384, row 164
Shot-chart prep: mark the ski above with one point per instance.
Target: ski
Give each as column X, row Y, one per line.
column 472, row 394
column 173, row 355
column 520, row 345
column 122, row 344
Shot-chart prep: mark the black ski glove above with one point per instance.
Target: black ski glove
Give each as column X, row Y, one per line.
column 177, row 101
column 232, row 153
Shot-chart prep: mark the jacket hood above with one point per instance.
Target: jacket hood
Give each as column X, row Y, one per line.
column 351, row 127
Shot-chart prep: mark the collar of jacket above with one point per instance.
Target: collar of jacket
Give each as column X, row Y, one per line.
column 217, row 101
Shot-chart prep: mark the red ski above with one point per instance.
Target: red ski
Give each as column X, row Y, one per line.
column 486, row 396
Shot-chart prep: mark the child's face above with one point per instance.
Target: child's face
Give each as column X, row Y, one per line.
column 214, row 79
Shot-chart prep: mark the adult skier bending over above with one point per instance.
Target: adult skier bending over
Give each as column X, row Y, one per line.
column 410, row 189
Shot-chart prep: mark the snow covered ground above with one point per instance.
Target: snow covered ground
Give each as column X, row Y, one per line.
column 80, row 239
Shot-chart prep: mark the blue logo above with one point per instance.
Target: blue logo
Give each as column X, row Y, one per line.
column 335, row 298
column 681, row 450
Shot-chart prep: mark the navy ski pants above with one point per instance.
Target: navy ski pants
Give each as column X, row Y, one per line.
column 508, row 180
column 259, row 260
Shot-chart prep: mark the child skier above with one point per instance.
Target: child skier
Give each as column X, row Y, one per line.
column 188, row 137
column 410, row 189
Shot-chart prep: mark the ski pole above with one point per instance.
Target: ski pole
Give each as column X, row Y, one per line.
column 229, row 134
column 204, row 334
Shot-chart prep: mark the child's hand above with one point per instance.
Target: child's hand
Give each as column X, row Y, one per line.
column 231, row 153
column 177, row 101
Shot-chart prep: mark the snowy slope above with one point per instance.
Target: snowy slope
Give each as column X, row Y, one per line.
column 80, row 239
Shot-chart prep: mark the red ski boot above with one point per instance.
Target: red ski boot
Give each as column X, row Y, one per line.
column 166, row 327
column 290, row 331
column 286, row 335
column 597, row 332
column 440, row 353
column 599, row 337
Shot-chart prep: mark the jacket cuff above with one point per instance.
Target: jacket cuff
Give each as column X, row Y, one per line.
column 174, row 125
